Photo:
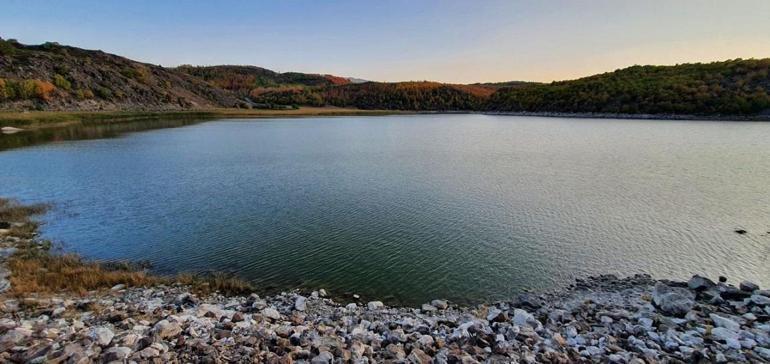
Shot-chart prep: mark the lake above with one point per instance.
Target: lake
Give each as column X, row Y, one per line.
column 409, row 208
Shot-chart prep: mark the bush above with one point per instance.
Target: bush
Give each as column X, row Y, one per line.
column 139, row 73
column 6, row 48
column 61, row 82
column 103, row 92
column 22, row 90
column 43, row 89
column 84, row 94
column 3, row 93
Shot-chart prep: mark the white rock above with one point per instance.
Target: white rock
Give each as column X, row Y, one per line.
column 300, row 304
column 375, row 305
column 720, row 321
column 101, row 335
column 426, row 341
column 522, row 318
column 351, row 307
column 493, row 313
column 271, row 313
column 724, row 334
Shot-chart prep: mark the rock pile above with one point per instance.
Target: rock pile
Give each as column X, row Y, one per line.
column 602, row 319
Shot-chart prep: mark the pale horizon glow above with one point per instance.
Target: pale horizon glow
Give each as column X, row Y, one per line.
column 400, row 40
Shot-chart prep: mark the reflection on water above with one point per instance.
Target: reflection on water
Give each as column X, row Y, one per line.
column 87, row 130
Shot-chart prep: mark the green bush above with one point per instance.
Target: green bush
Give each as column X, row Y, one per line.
column 103, row 92
column 6, row 48
column 20, row 89
column 61, row 82
column 84, row 94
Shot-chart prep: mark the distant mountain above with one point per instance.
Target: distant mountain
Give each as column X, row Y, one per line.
column 56, row 77
column 357, row 80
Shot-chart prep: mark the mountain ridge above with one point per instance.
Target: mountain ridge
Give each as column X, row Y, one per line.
column 54, row 77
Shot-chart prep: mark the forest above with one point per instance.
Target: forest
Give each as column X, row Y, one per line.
column 730, row 87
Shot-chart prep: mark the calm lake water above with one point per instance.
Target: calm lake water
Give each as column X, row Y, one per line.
column 411, row 208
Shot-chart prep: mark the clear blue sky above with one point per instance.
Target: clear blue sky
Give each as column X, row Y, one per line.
column 452, row 41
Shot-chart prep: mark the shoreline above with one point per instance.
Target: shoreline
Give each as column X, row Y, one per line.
column 41, row 119
column 545, row 114
column 30, row 120
column 600, row 319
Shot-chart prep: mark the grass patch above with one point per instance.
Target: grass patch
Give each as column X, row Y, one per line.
column 13, row 211
column 16, row 217
column 36, row 269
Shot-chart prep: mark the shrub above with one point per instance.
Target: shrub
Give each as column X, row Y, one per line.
column 103, row 92
column 61, row 82
column 3, row 93
column 23, row 89
column 139, row 73
column 84, row 94
column 43, row 89
column 6, row 48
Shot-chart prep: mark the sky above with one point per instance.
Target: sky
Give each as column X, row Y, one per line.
column 399, row 40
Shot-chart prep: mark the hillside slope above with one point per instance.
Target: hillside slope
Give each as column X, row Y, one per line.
column 55, row 77
column 736, row 87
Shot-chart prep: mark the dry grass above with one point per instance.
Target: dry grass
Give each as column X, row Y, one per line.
column 43, row 272
column 216, row 282
column 12, row 211
column 35, row 269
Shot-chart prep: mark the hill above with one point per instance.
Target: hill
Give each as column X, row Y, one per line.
column 736, row 87
column 56, row 77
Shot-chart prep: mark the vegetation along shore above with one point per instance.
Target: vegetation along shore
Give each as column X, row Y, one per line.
column 54, row 77
column 61, row 308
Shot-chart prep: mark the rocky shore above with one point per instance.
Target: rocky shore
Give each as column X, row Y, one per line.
column 601, row 319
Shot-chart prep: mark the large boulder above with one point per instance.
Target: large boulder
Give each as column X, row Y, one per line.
column 748, row 286
column 700, row 283
column 673, row 301
column 165, row 329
